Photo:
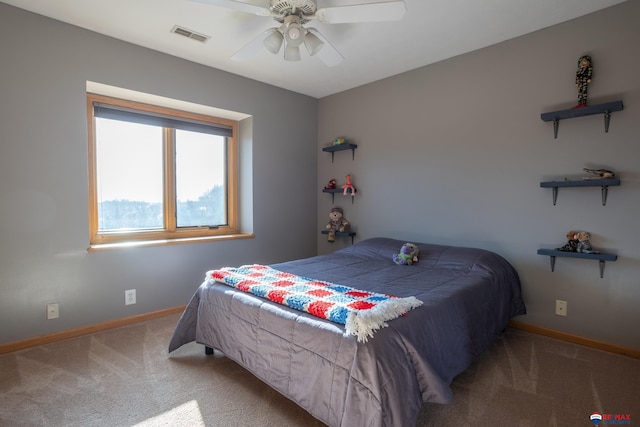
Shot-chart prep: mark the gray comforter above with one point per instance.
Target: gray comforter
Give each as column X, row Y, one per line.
column 469, row 295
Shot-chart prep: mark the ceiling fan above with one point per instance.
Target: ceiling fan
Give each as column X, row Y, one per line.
column 293, row 14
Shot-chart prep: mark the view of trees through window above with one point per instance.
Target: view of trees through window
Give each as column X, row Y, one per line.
column 130, row 175
column 156, row 173
column 122, row 214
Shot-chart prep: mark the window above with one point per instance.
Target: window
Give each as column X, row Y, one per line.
column 156, row 173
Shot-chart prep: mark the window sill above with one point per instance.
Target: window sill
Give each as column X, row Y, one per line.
column 166, row 242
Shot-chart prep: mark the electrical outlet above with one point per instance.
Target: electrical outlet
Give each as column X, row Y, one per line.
column 52, row 311
column 130, row 297
column 561, row 307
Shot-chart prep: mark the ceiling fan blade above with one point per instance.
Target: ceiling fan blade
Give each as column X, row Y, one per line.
column 238, row 5
column 366, row 12
column 253, row 47
column 328, row 54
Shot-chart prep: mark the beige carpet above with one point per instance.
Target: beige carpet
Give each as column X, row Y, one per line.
column 125, row 377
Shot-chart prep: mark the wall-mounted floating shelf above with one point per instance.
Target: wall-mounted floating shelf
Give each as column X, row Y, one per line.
column 606, row 109
column 334, row 191
column 604, row 184
column 552, row 254
column 342, row 233
column 332, row 149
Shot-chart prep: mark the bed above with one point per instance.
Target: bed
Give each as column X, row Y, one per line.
column 468, row 295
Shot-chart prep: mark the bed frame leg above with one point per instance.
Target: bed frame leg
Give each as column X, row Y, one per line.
column 208, row 350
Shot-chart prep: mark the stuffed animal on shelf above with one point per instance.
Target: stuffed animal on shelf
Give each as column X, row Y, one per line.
column 408, row 254
column 572, row 243
column 337, row 222
column 332, row 185
column 602, row 173
column 584, row 245
column 578, row 241
column 348, row 186
column 583, row 78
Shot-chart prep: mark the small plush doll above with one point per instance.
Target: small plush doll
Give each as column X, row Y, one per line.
column 337, row 222
column 348, row 187
column 572, row 243
column 583, row 78
column 331, row 185
column 578, row 241
column 584, row 245
column 408, row 254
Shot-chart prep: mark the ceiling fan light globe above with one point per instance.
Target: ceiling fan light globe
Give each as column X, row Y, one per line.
column 312, row 43
column 294, row 34
column 273, row 42
column 291, row 53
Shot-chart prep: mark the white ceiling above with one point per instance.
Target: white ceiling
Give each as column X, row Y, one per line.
column 431, row 30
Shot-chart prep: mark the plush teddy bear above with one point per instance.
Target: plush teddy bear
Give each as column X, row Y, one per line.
column 337, row 222
column 408, row 254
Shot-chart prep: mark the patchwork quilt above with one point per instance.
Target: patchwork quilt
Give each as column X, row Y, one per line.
column 362, row 312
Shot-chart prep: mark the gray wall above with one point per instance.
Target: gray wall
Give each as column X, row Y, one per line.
column 44, row 67
column 453, row 153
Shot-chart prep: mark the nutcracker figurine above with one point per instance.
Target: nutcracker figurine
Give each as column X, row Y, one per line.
column 583, row 78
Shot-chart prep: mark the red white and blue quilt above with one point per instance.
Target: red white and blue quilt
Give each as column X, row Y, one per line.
column 362, row 312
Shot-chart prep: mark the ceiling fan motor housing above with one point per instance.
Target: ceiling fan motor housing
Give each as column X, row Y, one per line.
column 301, row 8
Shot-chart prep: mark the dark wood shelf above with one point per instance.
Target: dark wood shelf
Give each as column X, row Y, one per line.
column 335, row 191
column 601, row 257
column 581, row 183
column 604, row 185
column 606, row 109
column 342, row 233
column 340, row 147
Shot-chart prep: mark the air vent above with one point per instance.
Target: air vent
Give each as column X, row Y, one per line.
column 190, row 34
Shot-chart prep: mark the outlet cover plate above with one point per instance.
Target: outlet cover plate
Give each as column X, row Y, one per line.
column 129, row 297
column 561, row 307
column 52, row 311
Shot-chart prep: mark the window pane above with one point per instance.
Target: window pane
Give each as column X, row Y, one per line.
column 129, row 175
column 200, row 179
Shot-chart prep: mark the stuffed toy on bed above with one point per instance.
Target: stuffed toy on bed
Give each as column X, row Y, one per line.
column 408, row 254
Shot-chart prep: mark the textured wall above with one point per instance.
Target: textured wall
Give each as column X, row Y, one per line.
column 43, row 177
column 453, row 153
